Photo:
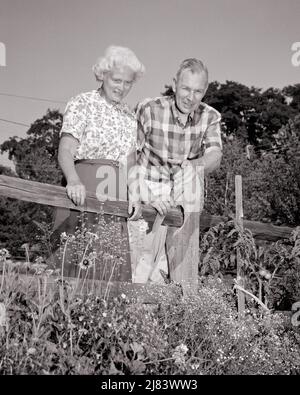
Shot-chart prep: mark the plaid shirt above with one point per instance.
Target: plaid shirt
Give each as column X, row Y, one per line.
column 161, row 136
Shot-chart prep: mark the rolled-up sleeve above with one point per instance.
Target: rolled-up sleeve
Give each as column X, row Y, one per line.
column 143, row 115
column 74, row 119
column 212, row 138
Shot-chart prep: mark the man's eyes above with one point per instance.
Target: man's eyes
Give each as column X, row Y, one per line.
column 190, row 90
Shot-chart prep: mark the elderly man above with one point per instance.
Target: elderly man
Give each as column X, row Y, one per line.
column 174, row 132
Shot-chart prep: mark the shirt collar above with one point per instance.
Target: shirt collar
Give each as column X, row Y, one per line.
column 121, row 107
column 193, row 117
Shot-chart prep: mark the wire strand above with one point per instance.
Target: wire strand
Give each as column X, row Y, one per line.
column 31, row 98
column 13, row 122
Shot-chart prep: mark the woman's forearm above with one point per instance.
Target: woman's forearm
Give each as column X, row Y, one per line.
column 66, row 162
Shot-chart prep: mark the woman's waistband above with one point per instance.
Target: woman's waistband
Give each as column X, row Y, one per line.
column 101, row 161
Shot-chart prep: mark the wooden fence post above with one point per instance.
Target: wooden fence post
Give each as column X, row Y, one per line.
column 183, row 243
column 239, row 220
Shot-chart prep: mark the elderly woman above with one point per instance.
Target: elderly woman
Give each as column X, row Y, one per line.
column 98, row 130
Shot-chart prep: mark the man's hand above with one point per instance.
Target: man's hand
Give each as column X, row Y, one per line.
column 134, row 210
column 76, row 192
column 186, row 163
column 182, row 164
column 162, row 207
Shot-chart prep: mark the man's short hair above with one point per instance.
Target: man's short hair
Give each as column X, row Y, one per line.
column 193, row 64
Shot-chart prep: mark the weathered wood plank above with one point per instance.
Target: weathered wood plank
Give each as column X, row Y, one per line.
column 56, row 196
column 183, row 243
column 53, row 195
column 260, row 230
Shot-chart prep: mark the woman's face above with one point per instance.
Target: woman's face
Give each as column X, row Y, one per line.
column 117, row 83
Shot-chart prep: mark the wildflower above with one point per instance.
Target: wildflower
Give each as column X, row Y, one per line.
column 265, row 274
column 49, row 272
column 123, row 296
column 106, row 255
column 92, row 236
column 137, row 348
column 59, row 282
column 26, row 265
column 39, row 267
column 39, row 260
column 83, row 331
column 63, row 237
column 31, row 351
column 179, row 354
column 93, row 255
column 104, row 314
column 4, row 254
column 86, row 263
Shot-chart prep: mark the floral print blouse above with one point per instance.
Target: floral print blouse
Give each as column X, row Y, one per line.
column 104, row 130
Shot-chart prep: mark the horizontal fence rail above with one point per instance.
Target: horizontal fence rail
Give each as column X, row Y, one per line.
column 53, row 195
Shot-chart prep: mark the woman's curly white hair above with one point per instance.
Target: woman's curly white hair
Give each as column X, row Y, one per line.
column 118, row 56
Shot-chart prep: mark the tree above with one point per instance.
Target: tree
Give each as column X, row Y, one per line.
column 292, row 92
column 35, row 158
column 250, row 113
column 271, row 181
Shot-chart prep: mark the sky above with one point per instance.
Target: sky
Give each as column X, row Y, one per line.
column 51, row 45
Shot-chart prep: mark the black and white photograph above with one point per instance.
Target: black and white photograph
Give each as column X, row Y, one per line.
column 149, row 191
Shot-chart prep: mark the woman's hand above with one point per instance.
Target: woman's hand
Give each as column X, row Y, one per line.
column 76, row 192
column 134, row 211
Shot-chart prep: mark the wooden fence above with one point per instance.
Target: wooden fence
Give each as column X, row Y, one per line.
column 184, row 268
column 53, row 195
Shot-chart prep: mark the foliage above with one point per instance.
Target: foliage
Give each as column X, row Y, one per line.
column 292, row 92
column 35, row 158
column 271, row 181
column 42, row 332
column 271, row 271
column 250, row 113
column 53, row 325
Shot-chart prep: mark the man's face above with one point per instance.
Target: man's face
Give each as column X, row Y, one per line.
column 117, row 83
column 189, row 90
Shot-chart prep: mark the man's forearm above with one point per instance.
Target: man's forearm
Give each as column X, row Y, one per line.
column 210, row 161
